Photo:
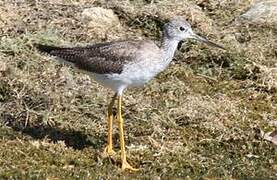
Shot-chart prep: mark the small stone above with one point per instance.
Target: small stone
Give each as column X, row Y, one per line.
column 100, row 21
column 264, row 12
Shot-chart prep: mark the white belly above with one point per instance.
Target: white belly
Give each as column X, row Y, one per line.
column 133, row 75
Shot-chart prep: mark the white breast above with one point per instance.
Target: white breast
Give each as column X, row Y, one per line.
column 137, row 74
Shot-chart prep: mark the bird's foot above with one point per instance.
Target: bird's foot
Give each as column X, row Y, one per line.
column 108, row 151
column 126, row 165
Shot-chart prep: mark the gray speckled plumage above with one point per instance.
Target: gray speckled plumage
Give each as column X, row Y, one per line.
column 99, row 58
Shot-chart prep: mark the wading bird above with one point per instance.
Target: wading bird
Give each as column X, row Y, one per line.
column 121, row 64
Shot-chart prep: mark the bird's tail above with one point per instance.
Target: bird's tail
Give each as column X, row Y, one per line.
column 64, row 54
column 47, row 49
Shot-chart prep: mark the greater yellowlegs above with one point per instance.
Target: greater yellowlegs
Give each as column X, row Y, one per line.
column 130, row 63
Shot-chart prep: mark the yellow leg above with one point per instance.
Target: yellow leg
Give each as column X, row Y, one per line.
column 125, row 164
column 109, row 149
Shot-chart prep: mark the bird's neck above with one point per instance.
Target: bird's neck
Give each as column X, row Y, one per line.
column 168, row 47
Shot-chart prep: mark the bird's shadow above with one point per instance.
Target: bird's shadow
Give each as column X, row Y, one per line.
column 72, row 138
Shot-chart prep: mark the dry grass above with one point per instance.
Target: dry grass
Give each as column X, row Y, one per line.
column 201, row 118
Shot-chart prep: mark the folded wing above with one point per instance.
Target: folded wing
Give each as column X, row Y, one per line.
column 102, row 58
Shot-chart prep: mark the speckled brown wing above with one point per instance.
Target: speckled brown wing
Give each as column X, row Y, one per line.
column 102, row 58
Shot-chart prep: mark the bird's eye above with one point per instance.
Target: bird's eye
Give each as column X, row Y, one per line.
column 182, row 28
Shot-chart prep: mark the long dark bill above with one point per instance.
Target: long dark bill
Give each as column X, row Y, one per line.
column 205, row 40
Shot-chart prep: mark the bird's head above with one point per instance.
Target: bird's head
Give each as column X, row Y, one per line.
column 180, row 30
